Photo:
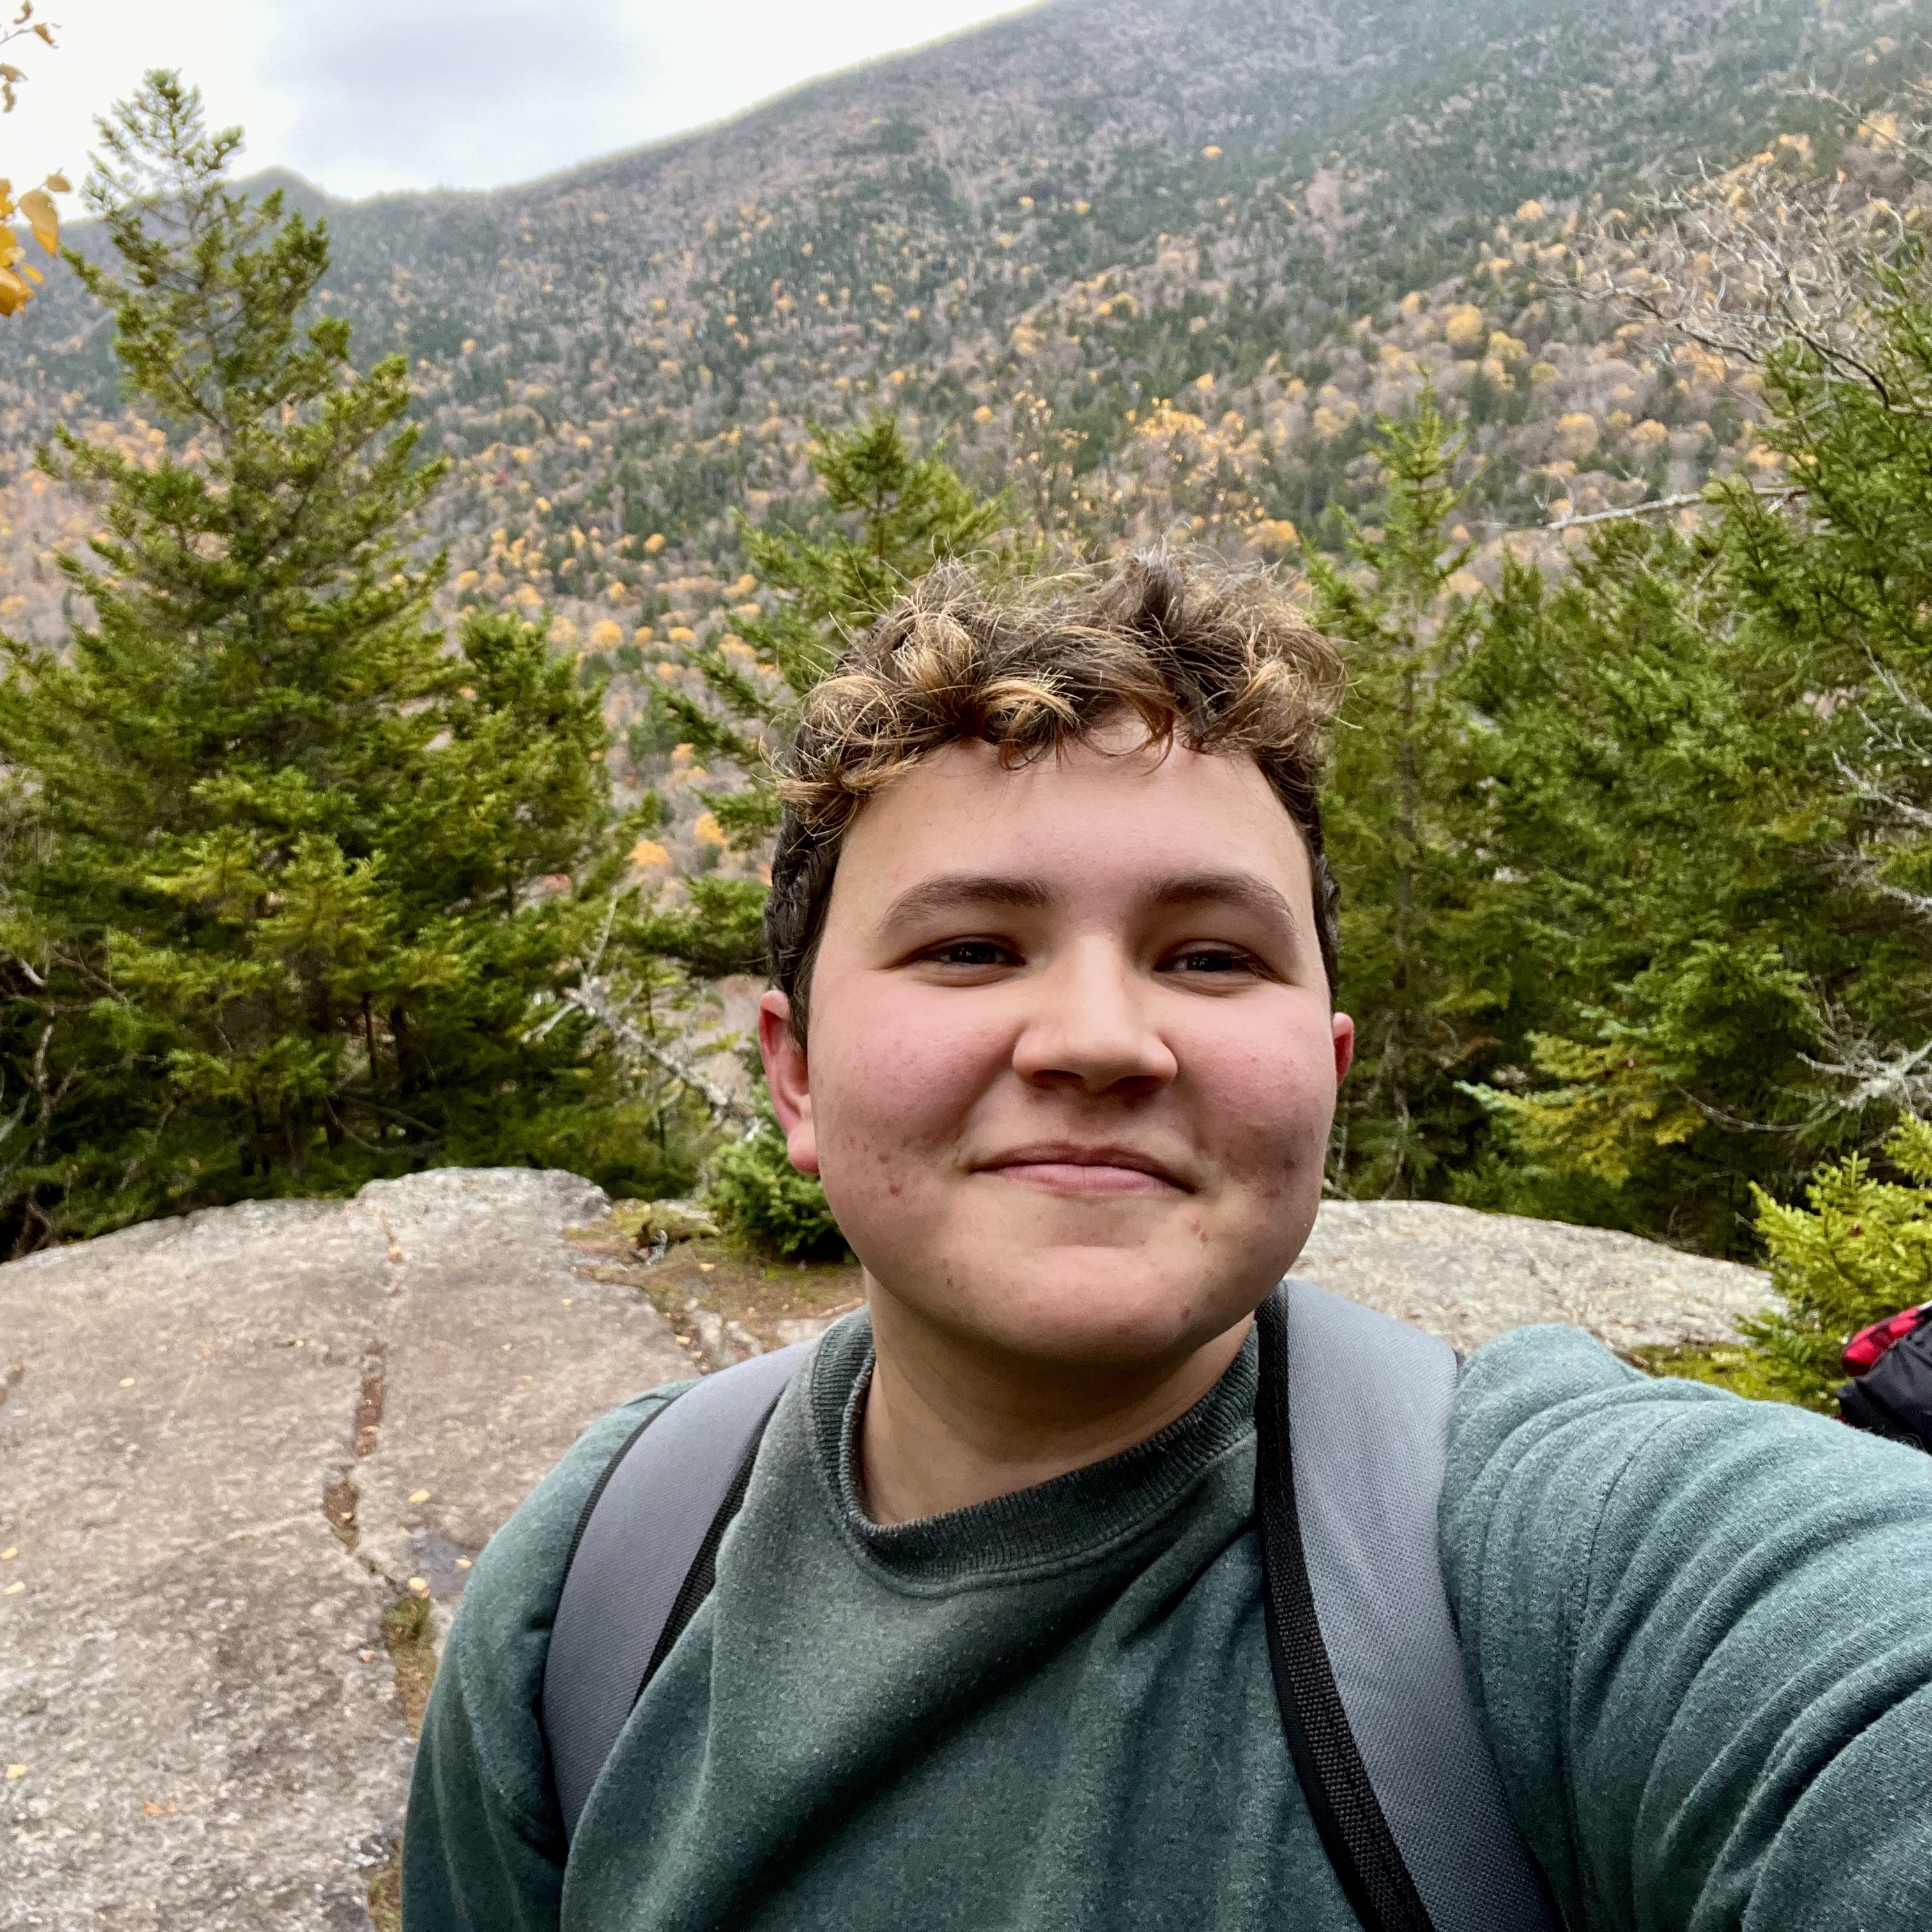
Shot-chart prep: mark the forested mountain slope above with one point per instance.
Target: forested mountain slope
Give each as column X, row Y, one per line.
column 1033, row 238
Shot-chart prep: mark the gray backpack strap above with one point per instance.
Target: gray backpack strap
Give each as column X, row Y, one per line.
column 1368, row 1667
column 643, row 1559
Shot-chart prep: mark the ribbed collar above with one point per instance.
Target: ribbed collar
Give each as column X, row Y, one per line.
column 1072, row 1519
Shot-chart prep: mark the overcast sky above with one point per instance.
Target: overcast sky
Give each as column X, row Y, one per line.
column 365, row 96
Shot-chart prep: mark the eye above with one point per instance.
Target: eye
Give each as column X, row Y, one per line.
column 971, row 954
column 1211, row 961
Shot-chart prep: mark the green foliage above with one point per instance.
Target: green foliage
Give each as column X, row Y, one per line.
column 1860, row 1251
column 1665, row 824
column 1635, row 868
column 286, row 878
column 1724, row 1366
column 765, row 1202
column 901, row 514
column 1398, row 824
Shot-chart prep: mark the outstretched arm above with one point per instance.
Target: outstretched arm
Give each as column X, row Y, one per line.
column 1699, row 1631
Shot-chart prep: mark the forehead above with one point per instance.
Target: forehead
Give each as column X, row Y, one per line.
column 1086, row 819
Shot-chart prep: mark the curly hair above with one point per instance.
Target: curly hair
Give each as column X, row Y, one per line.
column 1223, row 662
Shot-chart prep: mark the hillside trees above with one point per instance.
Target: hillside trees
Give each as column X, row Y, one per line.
column 285, row 878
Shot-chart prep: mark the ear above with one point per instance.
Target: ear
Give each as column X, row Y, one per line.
column 787, row 1075
column 1344, row 1029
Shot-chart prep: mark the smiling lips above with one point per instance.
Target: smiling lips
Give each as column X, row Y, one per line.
column 1061, row 1167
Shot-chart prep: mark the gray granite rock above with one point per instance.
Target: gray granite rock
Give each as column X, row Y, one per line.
column 229, row 1441
column 1467, row 1276
column 194, row 1675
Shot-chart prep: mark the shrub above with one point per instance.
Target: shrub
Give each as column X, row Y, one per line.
column 765, row 1202
column 1861, row 1251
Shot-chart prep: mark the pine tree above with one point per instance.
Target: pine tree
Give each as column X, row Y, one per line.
column 1659, row 797
column 1420, row 986
column 287, row 879
column 887, row 517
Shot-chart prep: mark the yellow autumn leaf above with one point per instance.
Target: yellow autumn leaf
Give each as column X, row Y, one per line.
column 12, row 1590
column 43, row 217
column 419, row 1496
column 14, row 293
column 59, row 184
column 14, row 1771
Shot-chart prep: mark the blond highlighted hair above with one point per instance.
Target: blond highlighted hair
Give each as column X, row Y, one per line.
column 1222, row 663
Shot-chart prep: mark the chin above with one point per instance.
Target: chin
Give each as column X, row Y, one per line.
column 1096, row 1306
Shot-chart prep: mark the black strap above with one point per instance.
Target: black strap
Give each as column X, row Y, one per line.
column 1340, row 1798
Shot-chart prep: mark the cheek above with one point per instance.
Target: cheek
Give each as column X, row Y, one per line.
column 1267, row 1091
column 897, row 1070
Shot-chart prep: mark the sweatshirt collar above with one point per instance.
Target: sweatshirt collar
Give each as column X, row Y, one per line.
column 1076, row 1518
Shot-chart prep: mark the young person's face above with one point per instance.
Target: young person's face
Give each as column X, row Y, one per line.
column 1071, row 1062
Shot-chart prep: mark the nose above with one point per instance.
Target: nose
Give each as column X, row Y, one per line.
column 1089, row 1028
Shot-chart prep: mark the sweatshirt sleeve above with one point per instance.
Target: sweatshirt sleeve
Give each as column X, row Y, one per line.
column 1699, row 1632
column 483, row 1845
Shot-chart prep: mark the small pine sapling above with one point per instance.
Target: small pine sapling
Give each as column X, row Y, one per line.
column 1861, row 1250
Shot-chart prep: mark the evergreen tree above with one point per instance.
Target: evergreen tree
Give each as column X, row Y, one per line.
column 1710, row 775
column 1860, row 1250
column 286, row 879
column 887, row 518
column 1416, row 972
column 1661, row 804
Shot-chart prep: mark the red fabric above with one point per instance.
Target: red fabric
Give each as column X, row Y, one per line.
column 1864, row 1348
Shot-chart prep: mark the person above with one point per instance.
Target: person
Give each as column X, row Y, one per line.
column 1054, row 944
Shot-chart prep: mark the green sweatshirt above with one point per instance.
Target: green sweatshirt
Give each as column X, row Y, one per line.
column 1699, row 1631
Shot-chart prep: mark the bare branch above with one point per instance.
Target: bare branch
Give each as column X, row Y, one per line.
column 595, row 997
column 1773, row 252
column 1865, row 1073
column 1779, row 492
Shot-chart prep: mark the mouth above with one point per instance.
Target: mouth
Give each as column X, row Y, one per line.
column 1063, row 1167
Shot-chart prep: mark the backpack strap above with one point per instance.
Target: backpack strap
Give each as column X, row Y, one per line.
column 644, row 1557
column 1367, row 1667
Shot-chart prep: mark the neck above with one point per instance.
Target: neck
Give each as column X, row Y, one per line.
column 949, row 1422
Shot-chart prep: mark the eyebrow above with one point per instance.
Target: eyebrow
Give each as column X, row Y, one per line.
column 955, row 892
column 959, row 892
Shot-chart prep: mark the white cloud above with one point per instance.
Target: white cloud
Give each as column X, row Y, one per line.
column 366, row 96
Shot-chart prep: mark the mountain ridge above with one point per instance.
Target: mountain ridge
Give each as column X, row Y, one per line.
column 1152, row 265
